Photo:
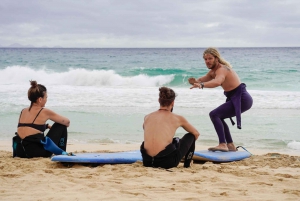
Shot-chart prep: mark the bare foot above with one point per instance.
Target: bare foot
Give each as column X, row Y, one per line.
column 221, row 147
column 231, row 147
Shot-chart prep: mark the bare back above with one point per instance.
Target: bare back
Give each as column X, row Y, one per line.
column 160, row 128
column 45, row 114
column 28, row 117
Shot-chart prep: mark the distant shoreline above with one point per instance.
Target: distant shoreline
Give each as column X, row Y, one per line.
column 139, row 47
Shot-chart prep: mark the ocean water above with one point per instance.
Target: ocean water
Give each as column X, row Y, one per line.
column 107, row 92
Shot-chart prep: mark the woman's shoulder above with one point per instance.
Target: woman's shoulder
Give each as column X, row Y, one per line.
column 26, row 109
column 50, row 113
column 47, row 110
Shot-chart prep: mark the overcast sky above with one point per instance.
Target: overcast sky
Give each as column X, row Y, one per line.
column 150, row 23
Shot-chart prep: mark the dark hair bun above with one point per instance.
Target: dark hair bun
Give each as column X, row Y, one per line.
column 33, row 83
column 35, row 91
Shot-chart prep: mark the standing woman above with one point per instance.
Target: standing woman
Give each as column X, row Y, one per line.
column 31, row 126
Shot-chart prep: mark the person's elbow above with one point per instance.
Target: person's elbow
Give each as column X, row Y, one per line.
column 218, row 82
column 196, row 134
column 67, row 123
column 215, row 83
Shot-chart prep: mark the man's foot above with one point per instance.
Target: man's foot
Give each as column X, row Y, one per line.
column 220, row 147
column 231, row 147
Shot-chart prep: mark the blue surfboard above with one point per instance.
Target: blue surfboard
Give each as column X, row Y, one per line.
column 218, row 156
column 133, row 156
column 104, row 158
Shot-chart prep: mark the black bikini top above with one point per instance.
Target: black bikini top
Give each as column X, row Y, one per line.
column 40, row 127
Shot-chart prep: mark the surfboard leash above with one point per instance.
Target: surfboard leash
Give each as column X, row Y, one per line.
column 244, row 149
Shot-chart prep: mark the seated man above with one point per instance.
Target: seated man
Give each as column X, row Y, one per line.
column 160, row 148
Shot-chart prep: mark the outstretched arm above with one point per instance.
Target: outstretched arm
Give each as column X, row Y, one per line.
column 219, row 79
column 204, row 78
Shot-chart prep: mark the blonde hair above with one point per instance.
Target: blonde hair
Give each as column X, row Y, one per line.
column 213, row 51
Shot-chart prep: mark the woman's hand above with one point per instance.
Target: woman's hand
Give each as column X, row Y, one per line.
column 48, row 126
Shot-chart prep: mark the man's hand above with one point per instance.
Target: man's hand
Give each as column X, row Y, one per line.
column 195, row 85
column 192, row 80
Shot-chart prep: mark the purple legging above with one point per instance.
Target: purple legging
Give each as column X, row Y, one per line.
column 227, row 110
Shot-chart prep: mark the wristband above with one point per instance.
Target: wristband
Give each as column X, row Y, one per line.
column 202, row 85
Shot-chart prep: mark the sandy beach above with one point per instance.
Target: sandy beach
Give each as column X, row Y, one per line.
column 264, row 176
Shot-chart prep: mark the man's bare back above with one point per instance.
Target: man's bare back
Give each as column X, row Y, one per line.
column 160, row 127
column 159, row 130
column 159, row 148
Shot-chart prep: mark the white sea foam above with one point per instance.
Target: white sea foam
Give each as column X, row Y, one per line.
column 80, row 87
column 79, row 77
column 294, row 145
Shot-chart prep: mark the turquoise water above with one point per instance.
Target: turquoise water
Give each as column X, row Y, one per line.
column 107, row 92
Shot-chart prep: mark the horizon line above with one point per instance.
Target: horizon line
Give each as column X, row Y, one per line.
column 147, row 47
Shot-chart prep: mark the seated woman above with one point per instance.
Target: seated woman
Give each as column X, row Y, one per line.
column 31, row 126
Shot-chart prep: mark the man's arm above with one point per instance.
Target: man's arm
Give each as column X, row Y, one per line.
column 189, row 127
column 204, row 78
column 219, row 79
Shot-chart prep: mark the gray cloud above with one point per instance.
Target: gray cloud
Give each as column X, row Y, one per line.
column 136, row 23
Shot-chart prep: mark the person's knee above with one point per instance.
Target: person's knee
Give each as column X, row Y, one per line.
column 189, row 136
column 59, row 126
column 187, row 141
column 213, row 115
